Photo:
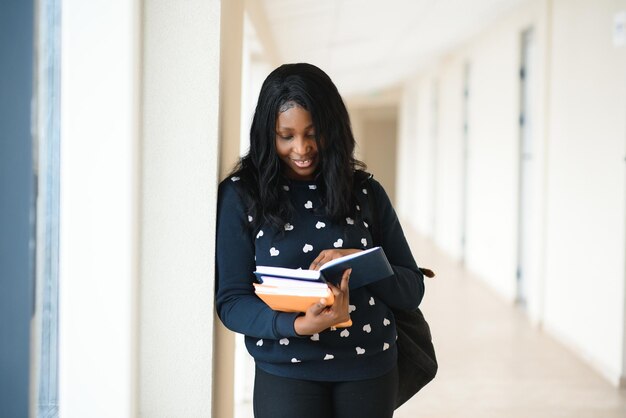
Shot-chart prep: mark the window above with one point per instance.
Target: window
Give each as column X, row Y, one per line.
column 47, row 167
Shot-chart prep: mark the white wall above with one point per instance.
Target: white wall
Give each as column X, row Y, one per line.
column 449, row 164
column 405, row 154
column 577, row 284
column 423, row 187
column 585, row 217
column 415, row 154
column 179, row 192
column 99, row 208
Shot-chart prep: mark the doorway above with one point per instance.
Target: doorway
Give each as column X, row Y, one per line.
column 528, row 197
column 464, row 161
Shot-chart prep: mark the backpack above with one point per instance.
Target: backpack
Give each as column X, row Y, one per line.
column 417, row 363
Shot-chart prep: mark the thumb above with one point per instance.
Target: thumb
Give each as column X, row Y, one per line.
column 318, row 307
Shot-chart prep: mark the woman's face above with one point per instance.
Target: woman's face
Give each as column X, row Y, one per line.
column 295, row 142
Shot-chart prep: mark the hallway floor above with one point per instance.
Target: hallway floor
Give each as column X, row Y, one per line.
column 492, row 361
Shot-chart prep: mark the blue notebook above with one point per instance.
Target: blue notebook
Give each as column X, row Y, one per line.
column 367, row 267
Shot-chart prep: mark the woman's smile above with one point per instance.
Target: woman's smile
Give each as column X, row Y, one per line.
column 303, row 163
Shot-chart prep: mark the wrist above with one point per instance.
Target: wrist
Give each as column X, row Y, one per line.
column 299, row 327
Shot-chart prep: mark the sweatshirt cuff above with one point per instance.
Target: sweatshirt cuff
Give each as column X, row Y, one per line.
column 284, row 324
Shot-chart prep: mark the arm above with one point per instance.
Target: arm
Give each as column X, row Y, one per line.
column 405, row 289
column 237, row 306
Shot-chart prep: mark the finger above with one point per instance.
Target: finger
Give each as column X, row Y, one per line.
column 317, row 263
column 345, row 279
column 336, row 291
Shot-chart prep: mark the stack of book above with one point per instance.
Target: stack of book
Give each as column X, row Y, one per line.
column 295, row 290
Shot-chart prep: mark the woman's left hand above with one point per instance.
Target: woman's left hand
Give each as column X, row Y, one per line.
column 327, row 255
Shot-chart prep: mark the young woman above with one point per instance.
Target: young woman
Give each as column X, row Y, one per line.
column 299, row 199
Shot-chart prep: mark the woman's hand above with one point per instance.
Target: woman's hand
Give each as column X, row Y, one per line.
column 327, row 255
column 320, row 317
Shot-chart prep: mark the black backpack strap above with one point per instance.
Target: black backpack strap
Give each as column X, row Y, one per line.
column 374, row 225
column 417, row 362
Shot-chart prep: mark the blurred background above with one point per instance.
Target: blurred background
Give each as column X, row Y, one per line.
column 497, row 127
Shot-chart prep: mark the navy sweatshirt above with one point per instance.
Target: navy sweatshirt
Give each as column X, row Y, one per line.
column 365, row 350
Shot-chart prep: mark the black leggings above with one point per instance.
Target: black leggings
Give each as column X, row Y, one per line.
column 281, row 397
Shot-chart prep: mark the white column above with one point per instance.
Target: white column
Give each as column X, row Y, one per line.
column 181, row 65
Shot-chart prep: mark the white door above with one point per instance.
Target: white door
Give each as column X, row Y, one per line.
column 464, row 160
column 529, row 240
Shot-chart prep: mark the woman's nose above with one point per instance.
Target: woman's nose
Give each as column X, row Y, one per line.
column 302, row 145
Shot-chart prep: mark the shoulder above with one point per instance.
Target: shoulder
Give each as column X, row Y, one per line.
column 230, row 185
column 366, row 183
column 230, row 192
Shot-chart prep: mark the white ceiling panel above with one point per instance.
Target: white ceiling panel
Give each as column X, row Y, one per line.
column 370, row 45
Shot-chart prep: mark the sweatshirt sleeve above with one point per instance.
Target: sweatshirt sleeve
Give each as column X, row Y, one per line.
column 405, row 289
column 237, row 305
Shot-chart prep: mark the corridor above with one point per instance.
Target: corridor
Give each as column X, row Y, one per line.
column 493, row 362
column 497, row 128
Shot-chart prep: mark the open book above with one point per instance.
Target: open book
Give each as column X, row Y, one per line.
column 295, row 290
column 367, row 267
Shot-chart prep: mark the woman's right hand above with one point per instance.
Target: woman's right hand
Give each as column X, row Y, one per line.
column 319, row 316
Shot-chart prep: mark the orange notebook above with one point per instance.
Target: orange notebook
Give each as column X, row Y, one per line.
column 295, row 299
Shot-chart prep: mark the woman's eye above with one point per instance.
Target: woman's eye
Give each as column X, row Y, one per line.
column 286, row 138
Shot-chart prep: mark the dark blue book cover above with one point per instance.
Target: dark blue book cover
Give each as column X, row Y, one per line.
column 367, row 267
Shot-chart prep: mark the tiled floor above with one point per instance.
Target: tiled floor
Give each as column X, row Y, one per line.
column 492, row 362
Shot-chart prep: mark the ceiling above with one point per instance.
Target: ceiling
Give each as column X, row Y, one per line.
column 369, row 46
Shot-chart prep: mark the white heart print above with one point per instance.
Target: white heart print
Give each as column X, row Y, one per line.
column 351, row 308
column 364, row 242
column 344, row 333
column 288, row 227
column 274, row 252
column 364, row 191
column 367, row 328
column 386, row 322
column 284, row 341
column 260, row 234
column 372, row 303
column 250, row 218
column 234, row 178
column 350, row 221
column 307, row 248
column 286, row 188
column 315, row 337
column 385, row 346
column 308, row 204
column 259, row 343
column 295, row 360
column 320, row 225
column 366, row 225
column 329, row 357
column 358, row 207
column 333, row 328
column 312, row 186
column 338, row 243
column 360, row 350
